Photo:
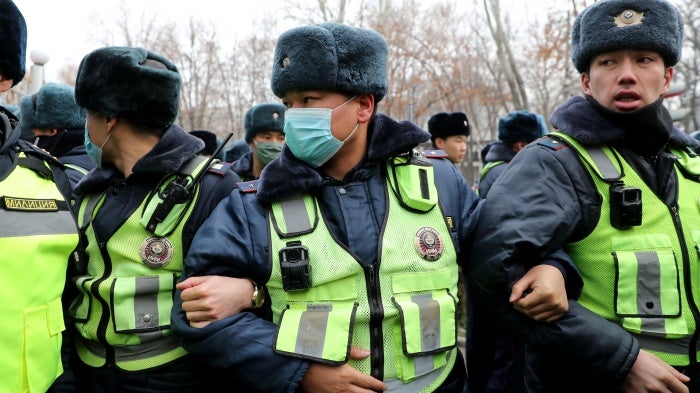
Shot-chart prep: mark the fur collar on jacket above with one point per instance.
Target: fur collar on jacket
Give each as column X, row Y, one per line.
column 584, row 121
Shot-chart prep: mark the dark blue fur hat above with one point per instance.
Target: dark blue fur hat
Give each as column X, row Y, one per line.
column 211, row 142
column 330, row 56
column 236, row 150
column 521, row 126
column 133, row 83
column 610, row 25
column 443, row 124
column 263, row 117
column 53, row 106
column 13, row 41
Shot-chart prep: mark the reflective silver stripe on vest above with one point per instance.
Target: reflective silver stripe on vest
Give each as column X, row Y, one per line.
column 429, row 310
column 126, row 353
column 296, row 218
column 649, row 287
column 677, row 347
column 26, row 223
column 146, row 307
column 606, row 167
column 420, row 383
column 314, row 322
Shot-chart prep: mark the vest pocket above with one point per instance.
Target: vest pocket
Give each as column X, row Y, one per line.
column 42, row 345
column 142, row 303
column 320, row 332
column 318, row 323
column 427, row 328
column 647, row 292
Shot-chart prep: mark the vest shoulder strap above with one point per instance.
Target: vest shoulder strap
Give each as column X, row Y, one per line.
column 602, row 159
column 488, row 167
column 294, row 216
column 173, row 196
column 76, row 168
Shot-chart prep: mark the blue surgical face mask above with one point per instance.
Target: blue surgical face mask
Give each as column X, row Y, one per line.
column 308, row 134
column 92, row 150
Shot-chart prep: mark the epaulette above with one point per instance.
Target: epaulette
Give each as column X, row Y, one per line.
column 220, row 168
column 552, row 143
column 435, row 154
column 248, row 186
column 30, row 148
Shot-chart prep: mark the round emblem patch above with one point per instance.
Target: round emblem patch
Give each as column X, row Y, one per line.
column 156, row 252
column 429, row 244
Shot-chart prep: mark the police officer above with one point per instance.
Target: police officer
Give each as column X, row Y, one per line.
column 138, row 211
column 211, row 142
column 58, row 125
column 515, row 131
column 449, row 132
column 617, row 188
column 264, row 134
column 344, row 233
column 38, row 234
column 236, row 150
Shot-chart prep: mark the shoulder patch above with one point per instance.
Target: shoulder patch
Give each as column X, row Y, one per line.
column 247, row 187
column 552, row 143
column 435, row 154
column 220, row 168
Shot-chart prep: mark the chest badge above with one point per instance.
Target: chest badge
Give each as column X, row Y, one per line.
column 429, row 244
column 156, row 252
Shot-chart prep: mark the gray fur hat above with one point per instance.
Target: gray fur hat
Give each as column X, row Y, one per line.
column 53, row 106
column 521, row 126
column 13, row 41
column 133, row 83
column 330, row 56
column 263, row 117
column 610, row 25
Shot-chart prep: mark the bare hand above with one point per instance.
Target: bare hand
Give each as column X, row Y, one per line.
column 323, row 378
column 206, row 299
column 651, row 374
column 541, row 294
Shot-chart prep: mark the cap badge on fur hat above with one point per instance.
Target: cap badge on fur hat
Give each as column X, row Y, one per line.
column 629, row 18
column 330, row 56
column 612, row 25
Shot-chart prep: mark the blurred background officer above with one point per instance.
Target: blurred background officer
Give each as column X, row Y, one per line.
column 211, row 142
column 58, row 125
column 264, row 134
column 449, row 132
column 37, row 236
column 236, row 150
column 515, row 131
column 138, row 212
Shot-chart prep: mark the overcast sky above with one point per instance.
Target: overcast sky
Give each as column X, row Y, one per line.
column 69, row 29
column 66, row 29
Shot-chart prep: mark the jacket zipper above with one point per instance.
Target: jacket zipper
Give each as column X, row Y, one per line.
column 687, row 283
column 374, row 297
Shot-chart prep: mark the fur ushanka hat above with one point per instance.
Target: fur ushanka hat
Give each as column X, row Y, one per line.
column 610, row 25
column 330, row 56
column 443, row 124
column 13, row 41
column 53, row 106
column 521, row 126
column 263, row 117
column 133, row 83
